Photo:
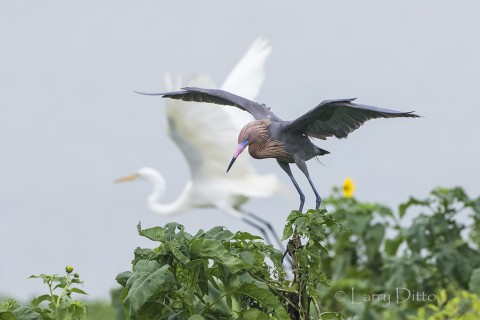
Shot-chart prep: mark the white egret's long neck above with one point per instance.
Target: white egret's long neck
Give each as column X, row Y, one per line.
column 178, row 205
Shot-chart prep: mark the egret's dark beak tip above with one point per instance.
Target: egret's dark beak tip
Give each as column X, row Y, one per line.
column 231, row 163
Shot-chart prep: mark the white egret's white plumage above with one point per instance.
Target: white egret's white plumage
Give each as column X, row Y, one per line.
column 206, row 135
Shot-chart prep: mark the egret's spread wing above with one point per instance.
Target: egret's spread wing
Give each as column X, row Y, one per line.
column 339, row 117
column 248, row 75
column 246, row 79
column 206, row 136
column 217, row 96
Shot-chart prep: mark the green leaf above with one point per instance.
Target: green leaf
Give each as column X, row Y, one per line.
column 123, row 277
column 214, row 249
column 247, row 278
column 384, row 211
column 474, row 283
column 76, row 311
column 248, row 256
column 26, row 313
column 218, row 233
column 175, row 232
column 359, row 223
column 8, row 305
column 302, row 224
column 36, row 301
column 253, row 314
column 194, row 264
column 7, row 316
column 60, row 285
column 294, row 215
column 402, row 208
column 148, row 280
column 291, row 220
column 77, row 290
column 155, row 234
column 287, row 231
column 71, row 310
column 176, row 252
column 476, row 205
column 331, row 315
column 373, row 239
column 243, row 236
column 264, row 297
column 196, row 317
column 391, row 245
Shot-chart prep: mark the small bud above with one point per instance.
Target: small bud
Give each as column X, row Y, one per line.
column 76, row 275
column 69, row 269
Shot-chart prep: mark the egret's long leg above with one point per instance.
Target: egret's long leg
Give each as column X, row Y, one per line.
column 269, row 227
column 272, row 231
column 241, row 215
column 303, row 167
column 302, row 196
column 318, row 199
column 286, row 167
column 259, row 228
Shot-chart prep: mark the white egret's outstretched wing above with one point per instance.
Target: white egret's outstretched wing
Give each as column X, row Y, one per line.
column 339, row 117
column 205, row 134
column 246, row 79
column 207, row 137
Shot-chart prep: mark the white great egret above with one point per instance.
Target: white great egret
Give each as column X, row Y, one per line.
column 207, row 150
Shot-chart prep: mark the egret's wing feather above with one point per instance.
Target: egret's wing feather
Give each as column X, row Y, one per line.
column 248, row 75
column 246, row 79
column 217, row 96
column 339, row 117
column 205, row 135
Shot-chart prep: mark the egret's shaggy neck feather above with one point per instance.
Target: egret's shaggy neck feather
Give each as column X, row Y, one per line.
column 260, row 144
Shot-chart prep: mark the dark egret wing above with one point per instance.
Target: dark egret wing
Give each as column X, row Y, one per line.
column 340, row 117
column 217, row 96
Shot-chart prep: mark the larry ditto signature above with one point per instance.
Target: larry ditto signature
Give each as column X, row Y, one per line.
column 401, row 295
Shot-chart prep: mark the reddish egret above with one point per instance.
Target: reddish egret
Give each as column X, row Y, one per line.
column 209, row 187
column 289, row 141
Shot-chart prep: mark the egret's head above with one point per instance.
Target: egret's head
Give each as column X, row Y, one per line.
column 244, row 139
column 128, row 178
column 144, row 172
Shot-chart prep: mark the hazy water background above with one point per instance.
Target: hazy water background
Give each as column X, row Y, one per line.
column 70, row 123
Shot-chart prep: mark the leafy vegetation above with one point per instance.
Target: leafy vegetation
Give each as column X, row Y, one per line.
column 212, row 275
column 57, row 304
column 220, row 275
column 350, row 260
column 462, row 305
column 386, row 268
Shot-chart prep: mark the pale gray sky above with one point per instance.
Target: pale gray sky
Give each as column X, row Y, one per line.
column 70, row 123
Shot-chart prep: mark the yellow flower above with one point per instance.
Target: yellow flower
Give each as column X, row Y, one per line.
column 69, row 269
column 348, row 187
